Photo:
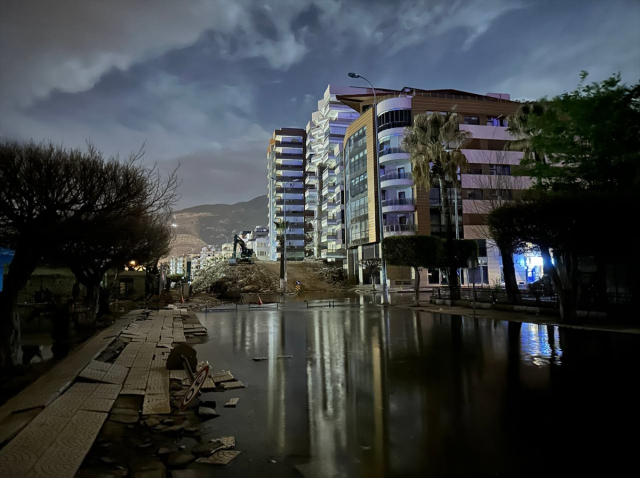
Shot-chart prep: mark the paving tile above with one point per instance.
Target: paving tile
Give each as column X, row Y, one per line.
column 92, row 374
column 232, row 403
column 156, row 404
column 96, row 364
column 96, row 404
column 63, row 458
column 178, row 374
column 221, row 457
column 232, row 385
column 106, row 390
column 116, row 374
column 14, row 423
column 222, row 376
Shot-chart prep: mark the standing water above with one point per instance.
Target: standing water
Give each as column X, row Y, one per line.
column 373, row 392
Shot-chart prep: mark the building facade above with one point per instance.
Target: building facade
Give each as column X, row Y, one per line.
column 285, row 192
column 407, row 209
column 323, row 196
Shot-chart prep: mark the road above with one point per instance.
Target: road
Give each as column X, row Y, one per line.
column 372, row 392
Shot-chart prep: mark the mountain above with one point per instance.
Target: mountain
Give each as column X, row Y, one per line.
column 198, row 226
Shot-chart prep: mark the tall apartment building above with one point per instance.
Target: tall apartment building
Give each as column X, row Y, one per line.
column 285, row 191
column 323, row 195
column 407, row 209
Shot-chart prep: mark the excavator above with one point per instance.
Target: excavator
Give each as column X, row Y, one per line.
column 246, row 254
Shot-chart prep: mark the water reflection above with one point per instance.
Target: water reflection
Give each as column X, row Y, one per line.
column 388, row 392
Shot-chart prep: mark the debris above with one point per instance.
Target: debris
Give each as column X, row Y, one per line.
column 208, row 403
column 285, row 356
column 232, row 385
column 259, row 359
column 145, row 445
column 207, row 412
column 108, row 459
column 123, row 418
column 222, row 457
column 179, row 459
column 181, row 447
column 150, row 422
column 168, row 448
column 231, row 403
column 168, row 421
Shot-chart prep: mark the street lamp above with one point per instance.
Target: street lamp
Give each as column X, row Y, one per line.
column 383, row 268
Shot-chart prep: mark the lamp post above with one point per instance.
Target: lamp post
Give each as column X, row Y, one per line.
column 283, row 279
column 383, row 268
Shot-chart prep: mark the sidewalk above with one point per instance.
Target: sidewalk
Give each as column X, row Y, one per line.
column 519, row 317
column 52, row 424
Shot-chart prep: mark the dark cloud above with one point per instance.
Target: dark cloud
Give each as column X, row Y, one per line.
column 205, row 82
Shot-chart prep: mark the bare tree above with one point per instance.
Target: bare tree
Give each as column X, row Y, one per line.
column 495, row 186
column 50, row 196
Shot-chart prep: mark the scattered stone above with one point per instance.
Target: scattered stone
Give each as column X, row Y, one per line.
column 130, row 427
column 150, row 422
column 124, row 411
column 232, row 403
column 147, row 467
column 176, row 386
column 207, row 412
column 208, row 449
column 260, row 359
column 285, row 356
column 167, row 448
column 123, row 418
column 108, row 459
column 273, row 461
column 168, row 421
column 182, row 447
column 160, row 428
column 179, row 459
column 145, row 445
column 191, row 430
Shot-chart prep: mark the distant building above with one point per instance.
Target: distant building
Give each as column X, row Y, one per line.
column 285, row 187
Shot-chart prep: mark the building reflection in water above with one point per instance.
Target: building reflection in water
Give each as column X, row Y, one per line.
column 378, row 392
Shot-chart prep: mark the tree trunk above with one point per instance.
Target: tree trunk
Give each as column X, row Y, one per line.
column 454, row 289
column 22, row 266
column 508, row 268
column 417, row 286
column 563, row 297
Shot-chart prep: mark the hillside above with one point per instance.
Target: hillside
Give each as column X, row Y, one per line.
column 205, row 224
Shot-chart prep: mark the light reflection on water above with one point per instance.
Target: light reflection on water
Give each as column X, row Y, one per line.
column 540, row 344
column 374, row 391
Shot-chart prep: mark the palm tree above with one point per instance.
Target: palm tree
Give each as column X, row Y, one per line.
column 433, row 143
column 522, row 127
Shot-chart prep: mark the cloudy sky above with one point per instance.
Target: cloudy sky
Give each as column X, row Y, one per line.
column 203, row 83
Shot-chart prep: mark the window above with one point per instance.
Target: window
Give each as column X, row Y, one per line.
column 501, row 193
column 482, row 247
column 402, row 220
column 401, row 195
column 474, row 169
column 500, row 170
column 475, row 194
column 471, row 120
column 394, row 119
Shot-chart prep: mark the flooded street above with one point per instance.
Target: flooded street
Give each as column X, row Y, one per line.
column 373, row 392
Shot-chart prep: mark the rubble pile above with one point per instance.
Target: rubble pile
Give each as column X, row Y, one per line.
column 332, row 276
column 222, row 277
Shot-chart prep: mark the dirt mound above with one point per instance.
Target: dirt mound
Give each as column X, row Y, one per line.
column 222, row 277
column 263, row 277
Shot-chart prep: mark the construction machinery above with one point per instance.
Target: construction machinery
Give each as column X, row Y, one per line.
column 246, row 254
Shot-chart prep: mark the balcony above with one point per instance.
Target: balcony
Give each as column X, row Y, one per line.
column 328, row 189
column 399, row 205
column 328, row 173
column 393, row 154
column 400, row 230
column 396, row 180
column 487, row 132
column 329, row 221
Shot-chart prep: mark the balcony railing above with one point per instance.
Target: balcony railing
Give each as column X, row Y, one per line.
column 399, row 202
column 400, row 227
column 390, row 150
column 390, row 176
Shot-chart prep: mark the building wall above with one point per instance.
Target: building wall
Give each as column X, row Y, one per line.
column 484, row 152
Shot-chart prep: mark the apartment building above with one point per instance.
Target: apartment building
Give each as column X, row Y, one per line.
column 323, row 197
column 407, row 209
column 259, row 242
column 285, row 191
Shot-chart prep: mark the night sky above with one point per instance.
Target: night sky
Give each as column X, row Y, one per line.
column 204, row 83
